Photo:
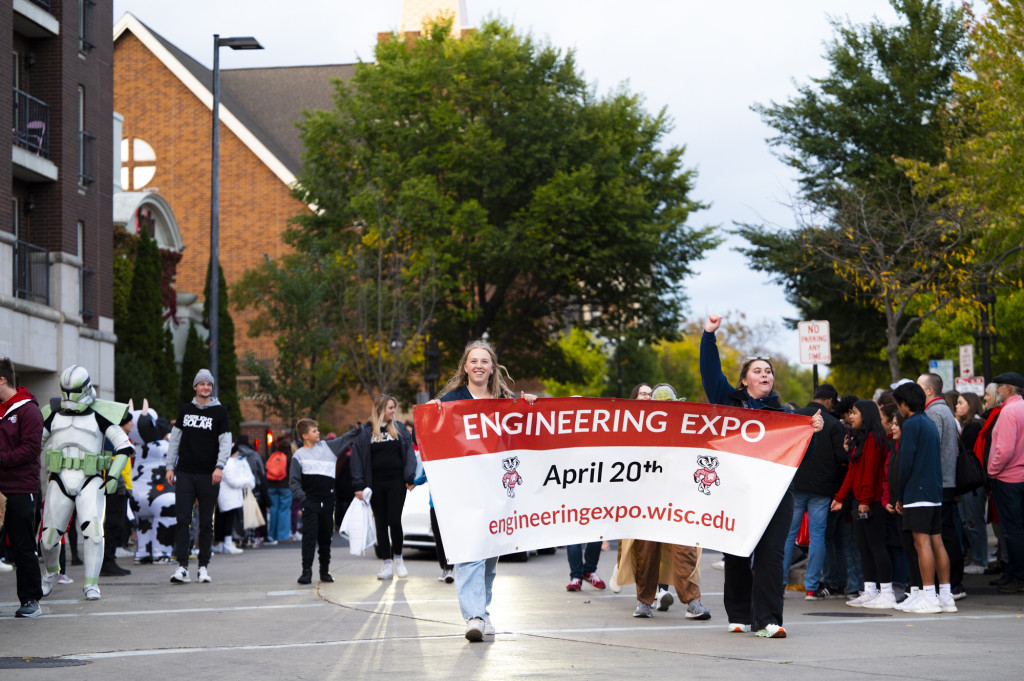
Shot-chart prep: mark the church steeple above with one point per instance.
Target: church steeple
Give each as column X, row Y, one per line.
column 415, row 12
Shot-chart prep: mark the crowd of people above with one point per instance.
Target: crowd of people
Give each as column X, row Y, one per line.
column 876, row 504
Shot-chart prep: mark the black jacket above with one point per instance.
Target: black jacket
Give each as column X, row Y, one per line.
column 821, row 472
column 362, row 473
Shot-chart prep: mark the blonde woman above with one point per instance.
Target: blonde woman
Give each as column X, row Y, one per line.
column 479, row 376
column 383, row 460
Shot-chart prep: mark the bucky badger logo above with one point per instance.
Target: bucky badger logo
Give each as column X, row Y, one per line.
column 705, row 476
column 511, row 477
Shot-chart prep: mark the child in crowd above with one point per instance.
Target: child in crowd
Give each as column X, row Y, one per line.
column 312, row 482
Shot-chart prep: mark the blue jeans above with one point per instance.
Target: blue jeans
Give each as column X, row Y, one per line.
column 816, row 507
column 280, row 520
column 583, row 558
column 1009, row 498
column 972, row 511
column 473, row 584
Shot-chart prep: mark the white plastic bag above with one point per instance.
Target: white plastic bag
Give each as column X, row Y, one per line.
column 357, row 525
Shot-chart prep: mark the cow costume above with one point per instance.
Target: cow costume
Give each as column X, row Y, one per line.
column 152, row 495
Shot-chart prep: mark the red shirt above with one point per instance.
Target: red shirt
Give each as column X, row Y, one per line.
column 865, row 475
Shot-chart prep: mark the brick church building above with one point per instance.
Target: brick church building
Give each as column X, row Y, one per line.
column 165, row 99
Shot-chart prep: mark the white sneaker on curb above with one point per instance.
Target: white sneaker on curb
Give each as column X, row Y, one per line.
column 203, row 575
column 925, row 604
column 91, row 592
column 386, row 572
column 947, row 603
column 400, row 570
column 475, row 630
column 735, row 628
column 49, row 579
column 180, row 576
column 864, row 597
column 883, row 601
column 664, row 599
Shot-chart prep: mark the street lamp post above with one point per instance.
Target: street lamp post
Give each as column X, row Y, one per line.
column 242, row 43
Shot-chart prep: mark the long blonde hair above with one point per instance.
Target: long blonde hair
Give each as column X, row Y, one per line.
column 377, row 418
column 498, row 385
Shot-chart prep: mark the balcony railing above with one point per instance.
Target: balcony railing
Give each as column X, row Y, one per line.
column 45, row 4
column 88, row 289
column 31, row 124
column 85, row 159
column 31, row 272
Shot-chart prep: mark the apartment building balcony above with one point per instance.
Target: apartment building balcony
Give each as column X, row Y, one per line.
column 33, row 19
column 30, row 139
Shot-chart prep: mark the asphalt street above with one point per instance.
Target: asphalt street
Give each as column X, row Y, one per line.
column 254, row 621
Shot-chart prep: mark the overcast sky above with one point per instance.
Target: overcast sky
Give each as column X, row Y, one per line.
column 706, row 62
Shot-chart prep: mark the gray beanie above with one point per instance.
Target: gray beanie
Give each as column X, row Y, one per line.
column 202, row 375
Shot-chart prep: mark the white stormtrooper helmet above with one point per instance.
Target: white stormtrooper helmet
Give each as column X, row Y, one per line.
column 77, row 388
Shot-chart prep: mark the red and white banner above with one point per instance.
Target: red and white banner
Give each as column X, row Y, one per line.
column 506, row 476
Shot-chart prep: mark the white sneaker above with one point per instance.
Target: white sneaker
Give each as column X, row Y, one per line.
column 217, row 548
column 925, row 604
column 49, row 579
column 864, row 597
column 5, row 567
column 447, row 577
column 92, row 592
column 664, row 600
column 229, row 547
column 974, row 569
column 719, row 564
column 400, row 570
column 386, row 572
column 947, row 603
column 204, row 576
column 488, row 627
column 735, row 628
column 64, row 579
column 475, row 630
column 180, row 576
column 123, row 553
column 909, row 600
column 885, row 600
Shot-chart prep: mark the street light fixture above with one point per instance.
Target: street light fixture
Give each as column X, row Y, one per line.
column 236, row 43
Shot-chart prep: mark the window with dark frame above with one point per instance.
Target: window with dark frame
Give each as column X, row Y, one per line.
column 85, row 21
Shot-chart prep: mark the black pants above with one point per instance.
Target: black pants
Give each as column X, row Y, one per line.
column 20, row 523
column 115, row 525
column 754, row 593
column 387, row 502
column 189, row 488
column 438, row 544
column 870, row 537
column 224, row 523
column 317, row 528
column 950, row 540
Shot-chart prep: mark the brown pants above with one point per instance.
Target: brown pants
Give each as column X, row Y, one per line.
column 647, row 562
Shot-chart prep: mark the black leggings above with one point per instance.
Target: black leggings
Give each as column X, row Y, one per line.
column 870, row 537
column 387, row 502
column 438, row 544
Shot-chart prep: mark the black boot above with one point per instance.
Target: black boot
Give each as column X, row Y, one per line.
column 112, row 569
column 326, row 576
column 306, row 577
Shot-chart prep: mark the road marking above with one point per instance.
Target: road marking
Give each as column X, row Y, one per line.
column 561, row 633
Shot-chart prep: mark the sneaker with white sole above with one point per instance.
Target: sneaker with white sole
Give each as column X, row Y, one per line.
column 695, row 610
column 28, row 609
column 386, row 572
column 925, row 604
column 737, row 628
column 947, row 603
column 48, row 580
column 974, row 569
column 230, row 548
column 864, row 597
column 664, row 599
column 885, row 600
column 643, row 610
column 64, row 579
column 719, row 564
column 911, row 597
column 400, row 570
column 594, row 580
column 204, row 575
column 772, row 631
column 488, row 627
column 180, row 576
column 475, row 630
column 91, row 592
column 447, row 577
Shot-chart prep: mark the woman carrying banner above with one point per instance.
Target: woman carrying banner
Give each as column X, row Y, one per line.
column 479, row 376
column 753, row 595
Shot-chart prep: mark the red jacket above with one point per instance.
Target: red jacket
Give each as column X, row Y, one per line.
column 21, row 442
column 865, row 475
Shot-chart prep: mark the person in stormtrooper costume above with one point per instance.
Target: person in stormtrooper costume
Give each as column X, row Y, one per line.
column 74, row 426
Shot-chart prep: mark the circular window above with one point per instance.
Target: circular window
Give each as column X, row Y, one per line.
column 138, row 163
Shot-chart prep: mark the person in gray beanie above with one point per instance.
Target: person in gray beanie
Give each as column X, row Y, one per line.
column 198, row 450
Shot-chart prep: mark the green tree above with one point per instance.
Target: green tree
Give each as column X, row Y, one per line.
column 227, row 361
column 293, row 301
column 504, row 190
column 197, row 356
column 589, row 361
column 883, row 100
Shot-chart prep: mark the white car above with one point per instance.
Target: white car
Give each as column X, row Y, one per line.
column 416, row 519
